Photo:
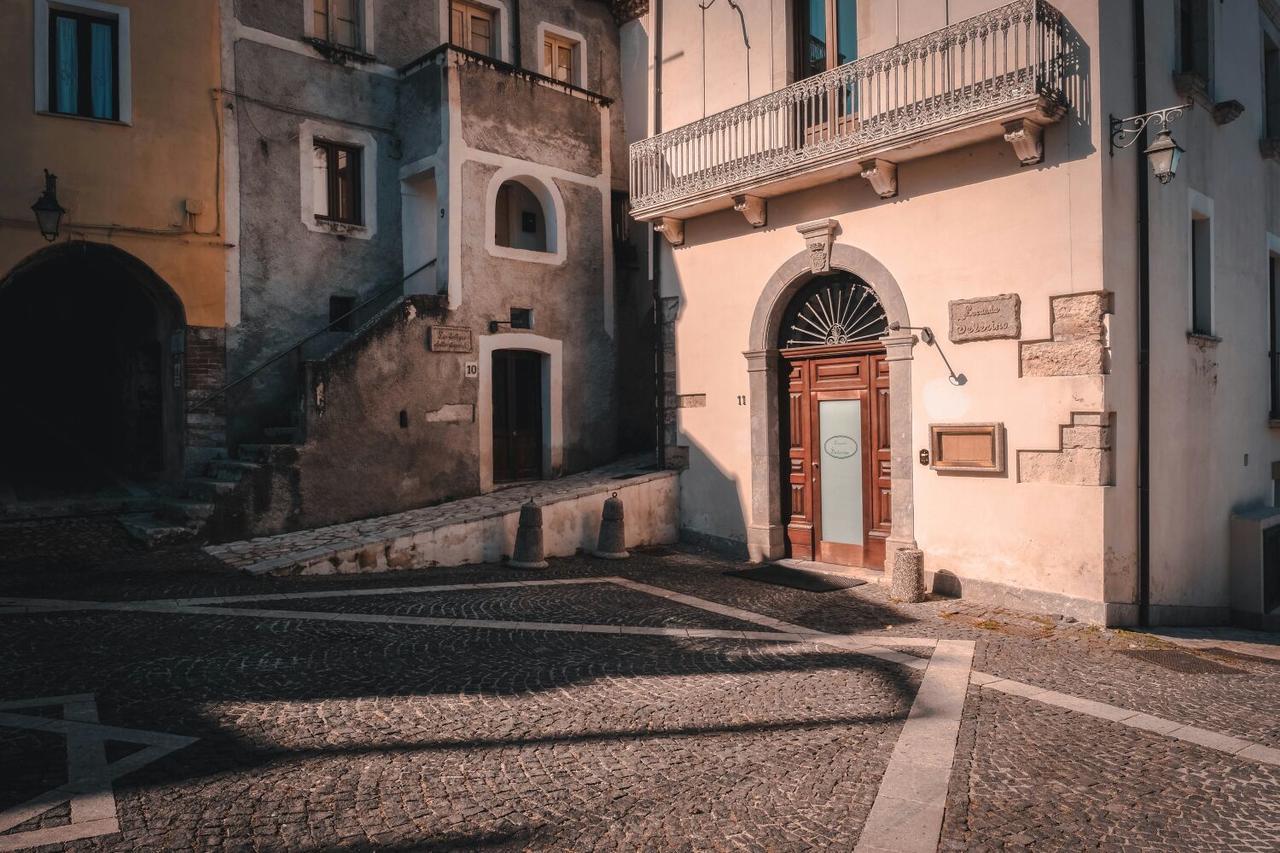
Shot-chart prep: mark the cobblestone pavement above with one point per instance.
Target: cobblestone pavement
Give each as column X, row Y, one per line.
column 314, row 734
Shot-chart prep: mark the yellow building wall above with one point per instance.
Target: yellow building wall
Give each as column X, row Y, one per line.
column 126, row 184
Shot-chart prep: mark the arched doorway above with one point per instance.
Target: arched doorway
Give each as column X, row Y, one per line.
column 90, row 372
column 780, row 363
column 835, row 437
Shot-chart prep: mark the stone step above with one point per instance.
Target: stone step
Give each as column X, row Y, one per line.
column 206, row 488
column 185, row 511
column 281, row 435
column 266, row 454
column 153, row 531
column 230, row 470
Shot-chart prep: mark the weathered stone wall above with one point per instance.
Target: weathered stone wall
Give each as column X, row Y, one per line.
column 1079, row 345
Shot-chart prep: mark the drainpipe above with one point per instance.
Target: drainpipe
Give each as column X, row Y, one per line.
column 515, row 35
column 655, row 264
column 1144, row 326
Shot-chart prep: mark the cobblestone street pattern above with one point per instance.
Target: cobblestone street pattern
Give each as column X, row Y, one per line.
column 163, row 702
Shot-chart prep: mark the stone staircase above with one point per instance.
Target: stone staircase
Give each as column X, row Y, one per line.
column 207, row 505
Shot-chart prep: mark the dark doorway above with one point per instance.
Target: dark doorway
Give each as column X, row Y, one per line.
column 89, row 376
column 517, row 416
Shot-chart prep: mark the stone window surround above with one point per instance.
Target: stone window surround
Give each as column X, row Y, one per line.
column 765, row 531
column 580, row 54
column 1200, row 206
column 308, row 131
column 552, row 399
column 501, row 14
column 41, row 71
column 543, row 186
column 366, row 24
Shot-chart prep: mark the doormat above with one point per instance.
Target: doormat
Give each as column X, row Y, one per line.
column 796, row 578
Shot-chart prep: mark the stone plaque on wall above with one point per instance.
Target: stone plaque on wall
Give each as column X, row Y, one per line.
column 449, row 339
column 986, row 319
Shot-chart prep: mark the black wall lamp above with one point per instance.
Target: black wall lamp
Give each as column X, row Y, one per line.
column 47, row 210
column 1164, row 153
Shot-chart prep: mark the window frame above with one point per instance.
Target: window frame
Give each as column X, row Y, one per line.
column 43, row 54
column 309, row 132
column 1191, row 64
column 577, row 42
column 1201, row 211
column 500, row 15
column 364, row 26
column 333, row 180
column 541, row 183
column 84, row 60
column 470, row 11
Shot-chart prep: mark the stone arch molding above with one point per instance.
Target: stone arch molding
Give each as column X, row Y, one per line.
column 765, row 533
column 543, row 187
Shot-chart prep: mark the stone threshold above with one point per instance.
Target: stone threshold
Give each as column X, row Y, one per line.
column 472, row 530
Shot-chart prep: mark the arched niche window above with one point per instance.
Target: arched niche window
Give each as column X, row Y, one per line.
column 519, row 220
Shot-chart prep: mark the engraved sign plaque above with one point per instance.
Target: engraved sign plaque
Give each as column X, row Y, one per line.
column 449, row 339
column 986, row 319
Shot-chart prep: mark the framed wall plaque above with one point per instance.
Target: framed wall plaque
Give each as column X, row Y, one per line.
column 967, row 448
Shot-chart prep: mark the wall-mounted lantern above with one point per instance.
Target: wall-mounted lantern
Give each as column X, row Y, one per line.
column 47, row 210
column 1164, row 153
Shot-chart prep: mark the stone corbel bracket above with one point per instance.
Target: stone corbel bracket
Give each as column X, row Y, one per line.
column 672, row 229
column 1027, row 139
column 818, row 236
column 882, row 175
column 753, row 207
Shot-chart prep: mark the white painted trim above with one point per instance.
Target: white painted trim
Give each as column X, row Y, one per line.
column 548, row 194
column 301, row 48
column 308, row 130
column 1200, row 206
column 502, row 13
column 230, row 166
column 123, row 54
column 431, row 165
column 552, row 400
column 579, row 53
column 366, row 24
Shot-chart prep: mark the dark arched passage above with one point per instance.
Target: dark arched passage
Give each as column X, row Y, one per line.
column 90, row 372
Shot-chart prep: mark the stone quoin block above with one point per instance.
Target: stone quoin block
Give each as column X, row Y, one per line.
column 1084, row 457
column 1078, row 346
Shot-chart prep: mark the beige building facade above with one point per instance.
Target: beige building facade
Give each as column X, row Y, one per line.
column 903, row 269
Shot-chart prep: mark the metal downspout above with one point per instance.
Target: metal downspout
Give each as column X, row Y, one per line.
column 1144, row 326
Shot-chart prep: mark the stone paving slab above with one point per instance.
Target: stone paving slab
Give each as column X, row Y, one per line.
column 395, row 540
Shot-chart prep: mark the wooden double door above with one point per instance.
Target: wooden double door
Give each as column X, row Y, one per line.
column 517, row 416
column 835, row 445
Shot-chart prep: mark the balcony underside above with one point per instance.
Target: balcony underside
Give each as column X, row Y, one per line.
column 1018, row 122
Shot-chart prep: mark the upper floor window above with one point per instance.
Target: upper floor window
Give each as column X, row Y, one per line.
column 338, row 22
column 559, row 58
column 826, row 35
column 1201, row 273
column 336, row 182
column 472, row 27
column 84, row 65
column 1195, row 39
column 1271, row 81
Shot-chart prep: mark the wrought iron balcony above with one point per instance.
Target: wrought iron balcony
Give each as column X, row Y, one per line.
column 1003, row 73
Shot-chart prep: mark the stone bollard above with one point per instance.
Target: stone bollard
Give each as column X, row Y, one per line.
column 528, row 550
column 612, row 544
column 907, row 581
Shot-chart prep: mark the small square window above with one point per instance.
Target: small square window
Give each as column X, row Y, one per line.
column 84, row 65
column 336, row 182
column 528, row 222
column 340, row 313
column 522, row 318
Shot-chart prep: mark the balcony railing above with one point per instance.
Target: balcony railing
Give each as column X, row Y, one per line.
column 1009, row 56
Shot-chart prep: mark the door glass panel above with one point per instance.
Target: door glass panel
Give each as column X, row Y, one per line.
column 840, row 454
column 846, row 31
column 813, row 38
